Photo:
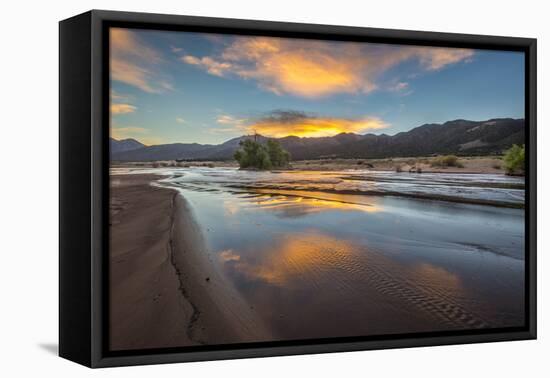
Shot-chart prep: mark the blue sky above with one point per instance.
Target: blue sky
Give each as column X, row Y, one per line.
column 169, row 87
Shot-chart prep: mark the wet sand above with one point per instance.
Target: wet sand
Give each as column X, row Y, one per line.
column 164, row 289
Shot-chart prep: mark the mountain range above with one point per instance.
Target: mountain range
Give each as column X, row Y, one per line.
column 118, row 146
column 460, row 137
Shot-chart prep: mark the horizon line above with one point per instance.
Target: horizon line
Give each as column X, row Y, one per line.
column 332, row 136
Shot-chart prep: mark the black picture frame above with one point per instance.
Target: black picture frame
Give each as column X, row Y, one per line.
column 84, row 187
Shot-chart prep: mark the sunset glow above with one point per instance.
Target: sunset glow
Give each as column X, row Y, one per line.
column 315, row 127
column 227, row 86
column 296, row 257
column 122, row 108
column 313, row 69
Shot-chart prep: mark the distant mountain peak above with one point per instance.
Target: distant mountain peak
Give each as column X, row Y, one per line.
column 123, row 145
column 453, row 137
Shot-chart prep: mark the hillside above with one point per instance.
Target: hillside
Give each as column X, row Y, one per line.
column 459, row 137
column 118, row 146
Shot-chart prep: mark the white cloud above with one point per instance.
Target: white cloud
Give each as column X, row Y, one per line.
column 226, row 119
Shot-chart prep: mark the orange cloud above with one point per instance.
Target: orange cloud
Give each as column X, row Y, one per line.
column 132, row 62
column 122, row 108
column 126, row 42
column 315, row 69
column 131, row 74
column 306, row 69
column 285, row 123
column 297, row 257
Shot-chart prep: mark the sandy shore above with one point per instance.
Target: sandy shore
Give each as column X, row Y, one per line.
column 468, row 164
column 165, row 289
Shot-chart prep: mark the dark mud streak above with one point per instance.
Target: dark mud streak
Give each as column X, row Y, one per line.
column 473, row 184
column 481, row 248
column 196, row 312
column 418, row 196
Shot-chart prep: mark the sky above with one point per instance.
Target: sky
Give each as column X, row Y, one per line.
column 170, row 87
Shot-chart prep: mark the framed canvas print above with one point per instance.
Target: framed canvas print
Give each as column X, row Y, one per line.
column 233, row 188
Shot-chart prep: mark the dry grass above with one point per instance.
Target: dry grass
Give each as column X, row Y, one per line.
column 446, row 161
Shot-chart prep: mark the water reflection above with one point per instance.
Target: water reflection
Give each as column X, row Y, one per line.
column 298, row 203
column 311, row 273
column 492, row 188
column 435, row 275
column 320, row 264
column 294, row 259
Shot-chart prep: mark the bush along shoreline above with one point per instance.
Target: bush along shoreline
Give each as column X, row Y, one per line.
column 514, row 160
column 255, row 155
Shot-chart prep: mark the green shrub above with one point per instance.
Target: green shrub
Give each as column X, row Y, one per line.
column 277, row 154
column 253, row 154
column 514, row 160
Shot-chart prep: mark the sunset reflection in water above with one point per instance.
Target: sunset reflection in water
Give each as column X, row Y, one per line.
column 302, row 202
column 313, row 263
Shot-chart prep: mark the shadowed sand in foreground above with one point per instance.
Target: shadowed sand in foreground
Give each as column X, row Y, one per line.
column 164, row 290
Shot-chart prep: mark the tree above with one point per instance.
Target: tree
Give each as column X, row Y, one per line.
column 514, row 160
column 253, row 154
column 238, row 155
column 279, row 157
